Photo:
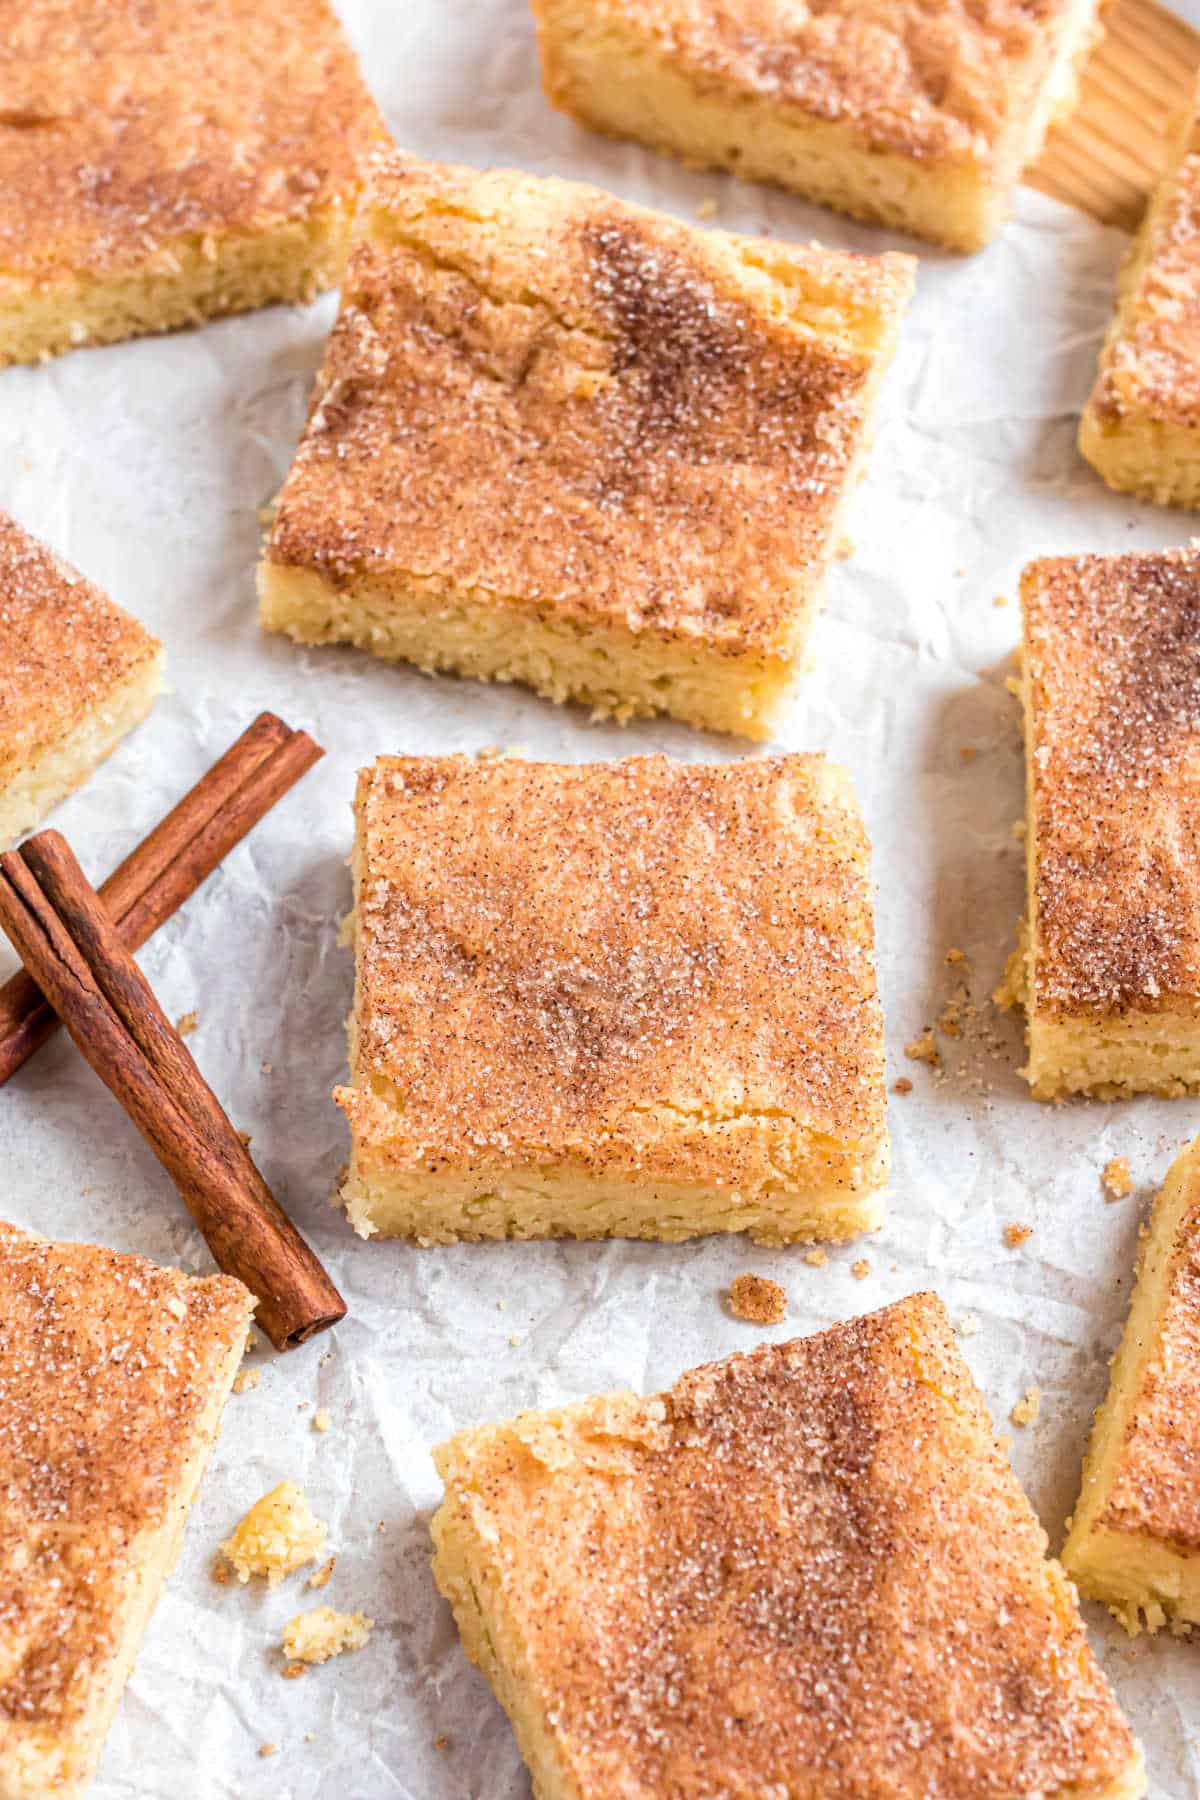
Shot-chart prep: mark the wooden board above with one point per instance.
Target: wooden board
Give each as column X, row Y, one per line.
column 1107, row 156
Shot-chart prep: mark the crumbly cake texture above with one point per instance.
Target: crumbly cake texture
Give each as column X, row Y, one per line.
column 1108, row 968
column 894, row 111
column 628, row 999
column 804, row 1570
column 1141, row 426
column 569, row 442
column 313, row 1637
column 113, row 1373
column 166, row 161
column 1134, row 1541
column 278, row 1535
column 76, row 674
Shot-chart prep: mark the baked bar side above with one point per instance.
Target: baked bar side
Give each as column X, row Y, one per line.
column 830, row 1197
column 440, row 626
column 46, row 774
column 602, row 70
column 205, row 275
column 1134, row 1539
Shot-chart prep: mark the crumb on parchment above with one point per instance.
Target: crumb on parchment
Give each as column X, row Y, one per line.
column 757, row 1300
column 816, row 1258
column 277, row 1535
column 314, row 1637
column 1015, row 1235
column 860, row 1269
column 320, row 1577
column 968, row 1325
column 245, row 1379
column 923, row 1048
column 902, row 1085
column 1116, row 1178
column 1027, row 1408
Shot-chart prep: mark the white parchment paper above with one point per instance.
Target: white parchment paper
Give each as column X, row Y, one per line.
column 145, row 464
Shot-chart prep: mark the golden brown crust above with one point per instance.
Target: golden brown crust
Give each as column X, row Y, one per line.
column 536, row 392
column 130, row 125
column 936, row 80
column 64, row 647
column 1150, row 367
column 807, row 1568
column 1112, row 648
column 107, row 1363
column 619, row 965
column 1155, row 1489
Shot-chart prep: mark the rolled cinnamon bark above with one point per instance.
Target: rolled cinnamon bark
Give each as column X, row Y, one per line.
column 72, row 949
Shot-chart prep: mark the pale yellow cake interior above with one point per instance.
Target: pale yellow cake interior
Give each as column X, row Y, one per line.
column 407, row 618
column 618, row 80
column 1144, row 1579
column 203, row 276
column 46, row 777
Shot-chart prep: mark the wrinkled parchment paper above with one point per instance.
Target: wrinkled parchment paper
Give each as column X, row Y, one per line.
column 146, row 464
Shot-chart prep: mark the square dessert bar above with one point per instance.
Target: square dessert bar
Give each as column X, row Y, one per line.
column 1108, row 969
column 113, row 1373
column 76, row 674
column 1141, row 427
column 1134, row 1541
column 804, row 1571
column 565, row 441
column 907, row 114
column 631, row 999
column 164, row 163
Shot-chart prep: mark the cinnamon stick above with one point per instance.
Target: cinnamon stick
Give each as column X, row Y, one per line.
column 169, row 865
column 73, row 951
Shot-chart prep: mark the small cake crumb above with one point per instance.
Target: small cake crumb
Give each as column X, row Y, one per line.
column 757, row 1300
column 1020, row 828
column 968, row 752
column 313, row 1637
column 320, row 1577
column 292, row 1671
column 954, row 955
column 278, row 1534
column 267, row 1068
column 268, row 1749
column 1116, row 1178
column 1015, row 1235
column 951, row 1017
column 1027, row 1408
column 186, row 1023
column 968, row 1325
column 515, row 1339
column 923, row 1048
column 441, row 1742
column 860, row 1269
column 222, row 1574
column 245, row 1379
column 1000, row 600
column 706, row 208
column 321, row 1420
column 902, row 1085
column 817, row 1258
